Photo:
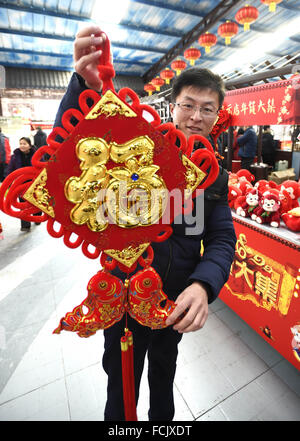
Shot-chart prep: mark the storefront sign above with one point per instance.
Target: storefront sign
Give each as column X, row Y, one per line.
column 267, row 104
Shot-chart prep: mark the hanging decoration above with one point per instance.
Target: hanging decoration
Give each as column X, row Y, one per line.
column 167, row 75
column 157, row 83
column 192, row 54
column 207, row 40
column 178, row 66
column 272, row 4
column 149, row 88
column 247, row 15
column 107, row 188
column 228, row 30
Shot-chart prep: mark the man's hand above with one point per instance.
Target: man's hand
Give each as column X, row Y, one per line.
column 193, row 300
column 88, row 47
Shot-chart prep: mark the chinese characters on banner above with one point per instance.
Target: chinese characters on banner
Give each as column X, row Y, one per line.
column 267, row 104
column 264, row 288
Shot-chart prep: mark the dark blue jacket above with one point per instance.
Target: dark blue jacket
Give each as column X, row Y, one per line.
column 178, row 259
column 247, row 143
column 19, row 159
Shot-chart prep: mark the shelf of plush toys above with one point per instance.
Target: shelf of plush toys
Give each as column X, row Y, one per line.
column 264, row 282
column 272, row 207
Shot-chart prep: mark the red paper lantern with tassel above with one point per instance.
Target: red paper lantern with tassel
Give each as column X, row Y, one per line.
column 246, row 16
column 192, row 54
column 149, row 88
column 167, row 75
column 157, row 83
column 178, row 66
column 272, row 4
column 207, row 40
column 228, row 30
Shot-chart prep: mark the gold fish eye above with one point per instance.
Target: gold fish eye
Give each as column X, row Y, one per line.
column 147, row 282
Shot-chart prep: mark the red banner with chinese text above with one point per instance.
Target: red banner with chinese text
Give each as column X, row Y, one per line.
column 264, row 288
column 266, row 104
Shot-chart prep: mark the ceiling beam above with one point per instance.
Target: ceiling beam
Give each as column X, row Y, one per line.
column 169, row 7
column 116, row 44
column 260, row 76
column 189, row 38
column 57, row 14
column 44, row 11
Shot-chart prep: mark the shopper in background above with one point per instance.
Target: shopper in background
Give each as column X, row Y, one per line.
column 247, row 147
column 5, row 154
column 40, row 138
column 22, row 157
column 236, row 134
column 268, row 147
column 189, row 279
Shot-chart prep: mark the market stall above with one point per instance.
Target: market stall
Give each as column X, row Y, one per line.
column 264, row 283
column 274, row 103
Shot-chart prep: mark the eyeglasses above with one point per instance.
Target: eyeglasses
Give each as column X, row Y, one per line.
column 190, row 109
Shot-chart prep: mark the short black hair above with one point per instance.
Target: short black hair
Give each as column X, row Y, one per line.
column 202, row 79
column 28, row 140
column 266, row 127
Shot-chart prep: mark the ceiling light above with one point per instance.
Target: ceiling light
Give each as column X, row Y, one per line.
column 113, row 13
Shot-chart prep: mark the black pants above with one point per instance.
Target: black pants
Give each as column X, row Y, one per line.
column 246, row 162
column 26, row 224
column 162, row 350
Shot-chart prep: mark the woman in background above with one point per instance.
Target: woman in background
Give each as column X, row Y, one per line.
column 22, row 157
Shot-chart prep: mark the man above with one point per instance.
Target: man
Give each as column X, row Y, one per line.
column 248, row 145
column 40, row 138
column 268, row 147
column 190, row 280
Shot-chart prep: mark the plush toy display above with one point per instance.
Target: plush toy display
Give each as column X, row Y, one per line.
column 292, row 219
column 286, row 201
column 268, row 209
column 247, row 204
column 233, row 193
column 293, row 187
column 244, row 174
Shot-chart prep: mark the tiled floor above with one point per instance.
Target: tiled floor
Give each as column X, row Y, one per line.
column 225, row 372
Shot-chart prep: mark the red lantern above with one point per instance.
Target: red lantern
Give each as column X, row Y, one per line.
column 246, row 16
column 192, row 54
column 207, row 40
column 178, row 66
column 149, row 88
column 272, row 4
column 157, row 82
column 167, row 75
column 228, row 30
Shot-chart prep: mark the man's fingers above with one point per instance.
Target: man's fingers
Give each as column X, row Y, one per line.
column 86, row 60
column 89, row 30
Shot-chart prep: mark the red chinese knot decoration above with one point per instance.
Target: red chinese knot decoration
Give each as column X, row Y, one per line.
column 246, row 16
column 86, row 195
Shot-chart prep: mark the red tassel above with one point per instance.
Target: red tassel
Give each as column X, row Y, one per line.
column 128, row 376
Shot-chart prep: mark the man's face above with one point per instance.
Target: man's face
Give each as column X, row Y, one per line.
column 190, row 119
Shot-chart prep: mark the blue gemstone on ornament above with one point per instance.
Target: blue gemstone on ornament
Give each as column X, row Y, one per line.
column 134, row 176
